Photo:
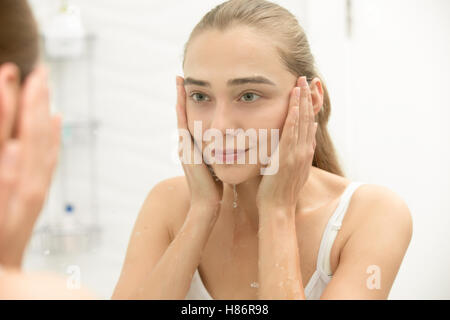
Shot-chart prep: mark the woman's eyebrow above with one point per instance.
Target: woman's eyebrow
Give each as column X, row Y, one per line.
column 257, row 79
column 232, row 82
column 189, row 81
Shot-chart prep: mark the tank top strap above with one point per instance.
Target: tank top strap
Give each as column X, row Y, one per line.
column 332, row 227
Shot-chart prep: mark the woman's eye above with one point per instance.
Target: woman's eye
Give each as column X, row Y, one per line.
column 250, row 97
column 199, row 97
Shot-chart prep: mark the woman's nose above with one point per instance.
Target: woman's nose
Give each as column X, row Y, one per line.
column 224, row 118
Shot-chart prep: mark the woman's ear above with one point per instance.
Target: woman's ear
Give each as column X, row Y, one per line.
column 9, row 99
column 316, row 94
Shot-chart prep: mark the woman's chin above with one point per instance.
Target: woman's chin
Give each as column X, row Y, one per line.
column 235, row 174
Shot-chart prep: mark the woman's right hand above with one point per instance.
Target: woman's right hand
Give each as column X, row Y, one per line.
column 206, row 191
column 26, row 166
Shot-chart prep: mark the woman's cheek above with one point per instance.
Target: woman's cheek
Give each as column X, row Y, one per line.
column 269, row 115
column 197, row 118
column 274, row 120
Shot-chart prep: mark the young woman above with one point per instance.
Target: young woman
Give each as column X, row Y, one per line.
column 29, row 145
column 306, row 232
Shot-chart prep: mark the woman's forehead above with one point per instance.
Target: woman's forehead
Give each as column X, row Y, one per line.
column 237, row 52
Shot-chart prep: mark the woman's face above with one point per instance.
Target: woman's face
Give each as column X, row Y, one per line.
column 235, row 79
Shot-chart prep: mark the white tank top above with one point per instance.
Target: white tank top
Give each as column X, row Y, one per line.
column 322, row 275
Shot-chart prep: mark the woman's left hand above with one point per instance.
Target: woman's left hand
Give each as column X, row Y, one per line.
column 294, row 153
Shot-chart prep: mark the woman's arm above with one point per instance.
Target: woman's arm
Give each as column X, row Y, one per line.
column 279, row 259
column 154, row 267
column 279, row 264
column 371, row 257
column 369, row 261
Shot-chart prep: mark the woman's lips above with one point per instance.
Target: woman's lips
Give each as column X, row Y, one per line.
column 228, row 154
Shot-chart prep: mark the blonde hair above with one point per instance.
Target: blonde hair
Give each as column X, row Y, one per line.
column 294, row 51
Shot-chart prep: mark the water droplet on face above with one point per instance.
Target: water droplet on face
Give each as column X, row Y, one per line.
column 254, row 285
column 170, row 188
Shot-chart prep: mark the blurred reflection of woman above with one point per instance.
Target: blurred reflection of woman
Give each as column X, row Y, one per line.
column 29, row 147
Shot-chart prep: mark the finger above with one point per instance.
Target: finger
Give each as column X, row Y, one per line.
column 50, row 153
column 191, row 160
column 186, row 148
column 314, row 135
column 181, row 103
column 36, row 132
column 41, row 106
column 295, row 103
column 9, row 172
column 44, row 96
column 27, row 104
column 29, row 121
column 274, row 159
column 304, row 113
column 44, row 126
column 288, row 135
column 312, row 126
column 219, row 186
column 40, row 89
column 9, row 87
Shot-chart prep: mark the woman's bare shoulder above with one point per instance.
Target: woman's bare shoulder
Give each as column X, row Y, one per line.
column 375, row 203
column 15, row 285
column 369, row 194
column 171, row 197
column 174, row 189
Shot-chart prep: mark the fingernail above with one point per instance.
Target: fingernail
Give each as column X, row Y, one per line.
column 179, row 81
column 297, row 92
column 303, row 82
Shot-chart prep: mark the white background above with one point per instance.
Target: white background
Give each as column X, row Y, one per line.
column 389, row 86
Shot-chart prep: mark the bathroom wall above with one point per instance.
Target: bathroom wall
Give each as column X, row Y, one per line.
column 388, row 82
column 395, row 106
